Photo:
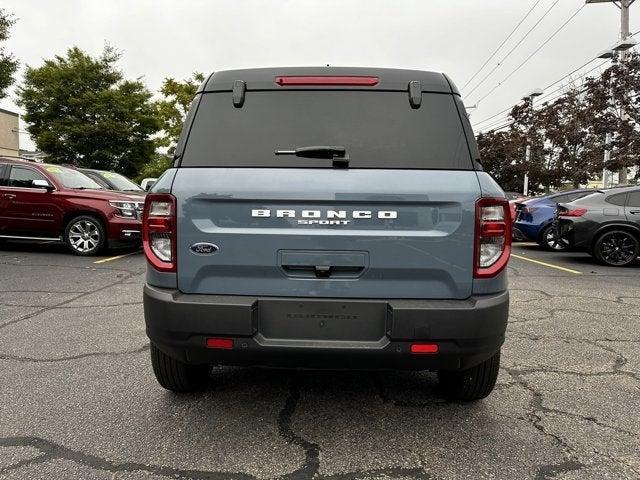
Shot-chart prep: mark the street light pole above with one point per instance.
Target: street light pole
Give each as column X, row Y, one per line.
column 527, row 156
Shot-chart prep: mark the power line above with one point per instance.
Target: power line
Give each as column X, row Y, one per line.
column 549, row 97
column 547, row 87
column 502, row 44
column 555, row 83
column 514, row 47
column 533, row 53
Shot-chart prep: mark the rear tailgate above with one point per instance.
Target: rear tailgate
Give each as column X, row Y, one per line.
column 305, row 232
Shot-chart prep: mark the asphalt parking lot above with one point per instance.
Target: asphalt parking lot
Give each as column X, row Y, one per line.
column 79, row 400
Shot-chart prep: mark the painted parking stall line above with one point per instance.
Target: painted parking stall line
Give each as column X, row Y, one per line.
column 545, row 264
column 109, row 259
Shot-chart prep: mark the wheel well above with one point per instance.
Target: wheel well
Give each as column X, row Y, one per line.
column 628, row 228
column 79, row 213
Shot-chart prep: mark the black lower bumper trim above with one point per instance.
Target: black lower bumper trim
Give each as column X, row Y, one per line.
column 467, row 331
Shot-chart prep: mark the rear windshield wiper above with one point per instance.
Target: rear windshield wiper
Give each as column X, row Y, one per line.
column 336, row 153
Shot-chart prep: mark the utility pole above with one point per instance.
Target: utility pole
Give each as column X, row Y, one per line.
column 623, row 5
column 624, row 33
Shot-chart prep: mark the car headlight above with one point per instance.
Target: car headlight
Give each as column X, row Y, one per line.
column 125, row 209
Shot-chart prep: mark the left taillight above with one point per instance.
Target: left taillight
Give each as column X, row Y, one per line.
column 159, row 231
column 492, row 237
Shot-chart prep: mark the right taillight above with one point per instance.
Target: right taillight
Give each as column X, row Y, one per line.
column 159, row 231
column 577, row 212
column 492, row 237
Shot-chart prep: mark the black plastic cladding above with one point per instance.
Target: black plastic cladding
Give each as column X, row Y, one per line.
column 389, row 79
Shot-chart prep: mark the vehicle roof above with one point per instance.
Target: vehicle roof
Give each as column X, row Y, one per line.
column 21, row 161
column 389, row 78
column 97, row 170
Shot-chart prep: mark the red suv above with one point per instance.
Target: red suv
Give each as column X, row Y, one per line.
column 50, row 202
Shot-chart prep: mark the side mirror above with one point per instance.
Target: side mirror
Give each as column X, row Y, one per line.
column 42, row 184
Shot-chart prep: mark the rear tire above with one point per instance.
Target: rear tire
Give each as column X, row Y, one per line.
column 549, row 240
column 616, row 248
column 472, row 384
column 177, row 376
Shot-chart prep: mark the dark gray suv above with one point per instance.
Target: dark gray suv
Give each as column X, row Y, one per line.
column 327, row 217
column 605, row 224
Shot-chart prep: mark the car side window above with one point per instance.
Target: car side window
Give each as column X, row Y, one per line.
column 23, row 177
column 634, row 199
column 3, row 178
column 618, row 199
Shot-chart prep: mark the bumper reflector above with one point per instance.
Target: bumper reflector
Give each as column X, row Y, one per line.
column 220, row 343
column 421, row 348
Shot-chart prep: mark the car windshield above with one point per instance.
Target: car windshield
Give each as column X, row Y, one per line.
column 70, row 178
column 120, row 182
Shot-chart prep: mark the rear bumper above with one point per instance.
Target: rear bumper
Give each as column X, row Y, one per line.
column 528, row 231
column 576, row 231
column 467, row 331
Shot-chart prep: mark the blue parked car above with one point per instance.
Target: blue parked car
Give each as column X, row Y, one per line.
column 534, row 218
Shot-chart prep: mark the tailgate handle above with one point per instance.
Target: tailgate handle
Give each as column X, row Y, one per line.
column 323, row 264
column 322, row 271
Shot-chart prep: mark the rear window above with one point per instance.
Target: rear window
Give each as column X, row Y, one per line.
column 577, row 195
column 378, row 130
column 618, row 199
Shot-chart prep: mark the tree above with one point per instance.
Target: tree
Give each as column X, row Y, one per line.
column 155, row 167
column 527, row 130
column 8, row 64
column 80, row 110
column 614, row 103
column 175, row 106
column 571, row 145
column 498, row 154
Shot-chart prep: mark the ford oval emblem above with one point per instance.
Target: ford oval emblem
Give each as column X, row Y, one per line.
column 204, row 248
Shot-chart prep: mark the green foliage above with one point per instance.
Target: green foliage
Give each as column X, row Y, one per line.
column 80, row 110
column 174, row 107
column 155, row 167
column 502, row 159
column 8, row 64
column 614, row 108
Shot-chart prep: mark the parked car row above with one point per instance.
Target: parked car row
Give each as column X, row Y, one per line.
column 533, row 218
column 603, row 223
column 88, row 210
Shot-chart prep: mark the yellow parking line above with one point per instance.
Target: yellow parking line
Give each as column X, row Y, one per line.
column 545, row 264
column 108, row 259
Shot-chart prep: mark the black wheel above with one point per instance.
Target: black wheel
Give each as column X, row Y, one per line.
column 177, row 376
column 85, row 235
column 616, row 248
column 550, row 240
column 472, row 384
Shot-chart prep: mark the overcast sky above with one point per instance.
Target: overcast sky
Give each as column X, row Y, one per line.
column 161, row 38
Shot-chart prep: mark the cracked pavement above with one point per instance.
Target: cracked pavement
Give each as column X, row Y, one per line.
column 78, row 397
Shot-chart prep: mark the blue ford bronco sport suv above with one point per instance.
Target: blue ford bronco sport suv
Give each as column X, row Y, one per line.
column 327, row 218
